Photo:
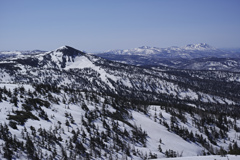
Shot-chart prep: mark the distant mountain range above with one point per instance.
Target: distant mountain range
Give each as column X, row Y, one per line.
column 193, row 56
column 189, row 51
column 12, row 54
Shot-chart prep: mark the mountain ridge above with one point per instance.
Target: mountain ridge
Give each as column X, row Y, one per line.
column 193, row 56
column 166, row 52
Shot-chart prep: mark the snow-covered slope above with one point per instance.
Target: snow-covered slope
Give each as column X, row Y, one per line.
column 66, row 104
column 229, row 157
column 105, row 127
column 65, row 123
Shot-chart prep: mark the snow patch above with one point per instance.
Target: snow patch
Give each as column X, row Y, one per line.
column 83, row 62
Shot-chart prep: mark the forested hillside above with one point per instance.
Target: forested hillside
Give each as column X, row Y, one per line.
column 66, row 104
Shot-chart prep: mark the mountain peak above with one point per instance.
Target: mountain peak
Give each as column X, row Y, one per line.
column 65, row 47
column 69, row 51
column 145, row 47
column 62, row 47
column 200, row 46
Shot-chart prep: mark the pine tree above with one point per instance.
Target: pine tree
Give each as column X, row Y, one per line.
column 7, row 151
column 30, row 147
column 222, row 152
column 159, row 148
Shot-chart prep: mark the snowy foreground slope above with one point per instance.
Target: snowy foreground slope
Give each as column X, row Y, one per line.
column 229, row 157
column 66, row 104
column 71, row 118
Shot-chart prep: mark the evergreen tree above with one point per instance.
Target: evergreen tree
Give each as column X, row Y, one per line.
column 7, row 151
column 30, row 147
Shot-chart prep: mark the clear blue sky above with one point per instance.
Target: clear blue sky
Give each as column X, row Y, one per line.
column 99, row 25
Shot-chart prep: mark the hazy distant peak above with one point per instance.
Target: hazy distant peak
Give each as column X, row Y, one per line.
column 145, row 47
column 200, row 46
column 189, row 51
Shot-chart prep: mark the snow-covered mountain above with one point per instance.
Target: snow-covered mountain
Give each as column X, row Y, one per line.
column 67, row 104
column 189, row 51
column 11, row 54
column 200, row 46
column 193, row 56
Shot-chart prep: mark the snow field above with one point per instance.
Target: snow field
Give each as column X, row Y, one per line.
column 228, row 157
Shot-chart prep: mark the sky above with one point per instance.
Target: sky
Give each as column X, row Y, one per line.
column 100, row 25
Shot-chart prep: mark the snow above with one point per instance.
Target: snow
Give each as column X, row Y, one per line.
column 200, row 46
column 11, row 52
column 5, row 77
column 57, row 57
column 228, row 157
column 12, row 86
column 155, row 131
column 188, row 94
column 158, row 131
column 81, row 62
column 172, row 141
column 62, row 47
column 181, row 51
